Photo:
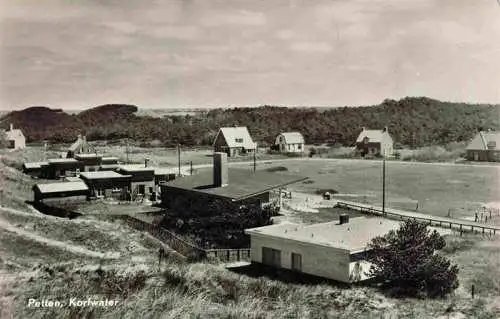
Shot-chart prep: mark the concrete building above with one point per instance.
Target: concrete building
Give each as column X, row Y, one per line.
column 375, row 142
column 333, row 250
column 15, row 138
column 234, row 141
column 142, row 181
column 80, row 146
column 290, row 142
column 484, row 147
column 63, row 191
column 106, row 184
column 231, row 185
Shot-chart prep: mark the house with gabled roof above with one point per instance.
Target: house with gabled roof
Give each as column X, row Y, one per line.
column 485, row 146
column 234, row 141
column 15, row 138
column 80, row 146
column 290, row 142
column 375, row 142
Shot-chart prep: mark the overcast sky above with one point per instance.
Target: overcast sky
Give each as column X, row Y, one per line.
column 181, row 53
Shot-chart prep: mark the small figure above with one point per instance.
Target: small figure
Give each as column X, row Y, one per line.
column 476, row 218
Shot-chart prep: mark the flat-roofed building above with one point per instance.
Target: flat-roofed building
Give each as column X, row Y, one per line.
column 91, row 162
column 142, row 181
column 332, row 250
column 61, row 190
column 106, row 184
column 34, row 169
column 60, row 167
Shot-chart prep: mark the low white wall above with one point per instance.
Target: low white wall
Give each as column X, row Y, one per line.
column 322, row 261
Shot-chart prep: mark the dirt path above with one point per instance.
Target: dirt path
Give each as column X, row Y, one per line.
column 55, row 243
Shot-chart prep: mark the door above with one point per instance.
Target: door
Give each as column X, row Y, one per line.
column 142, row 189
column 271, row 257
column 476, row 156
column 296, row 262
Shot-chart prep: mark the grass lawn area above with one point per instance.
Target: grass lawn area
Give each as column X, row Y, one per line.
column 436, row 188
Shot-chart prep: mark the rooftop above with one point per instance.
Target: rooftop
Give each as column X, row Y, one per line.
column 110, row 158
column 88, row 155
column 102, row 175
column 374, row 136
column 242, row 183
column 169, row 170
column 136, row 168
column 62, row 187
column 237, row 137
column 293, row 137
column 482, row 139
column 353, row 236
column 35, row 164
column 62, row 160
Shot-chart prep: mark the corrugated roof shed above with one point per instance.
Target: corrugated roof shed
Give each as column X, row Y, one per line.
column 293, row 138
column 34, row 165
column 237, row 137
column 482, row 139
column 62, row 187
column 242, row 183
column 136, row 168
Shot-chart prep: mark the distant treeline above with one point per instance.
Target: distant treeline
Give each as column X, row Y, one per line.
column 413, row 122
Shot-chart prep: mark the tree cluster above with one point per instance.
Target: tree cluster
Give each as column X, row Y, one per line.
column 413, row 122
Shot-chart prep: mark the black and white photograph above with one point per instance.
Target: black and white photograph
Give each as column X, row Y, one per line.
column 250, row 159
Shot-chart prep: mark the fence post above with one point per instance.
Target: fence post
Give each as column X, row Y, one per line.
column 238, row 254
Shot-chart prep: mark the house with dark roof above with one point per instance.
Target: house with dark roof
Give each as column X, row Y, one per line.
column 485, row 146
column 60, row 167
column 229, row 185
column 142, row 180
column 15, row 138
column 374, row 143
column 35, row 169
column 290, row 142
column 234, row 141
column 80, row 146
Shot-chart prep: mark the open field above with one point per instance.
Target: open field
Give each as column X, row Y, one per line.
column 436, row 188
column 44, row 256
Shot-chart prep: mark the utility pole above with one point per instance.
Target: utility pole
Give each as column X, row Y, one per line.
column 383, row 186
column 179, row 157
column 126, row 150
column 255, row 160
column 191, row 168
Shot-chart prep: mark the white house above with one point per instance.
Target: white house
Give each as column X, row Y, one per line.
column 290, row 142
column 15, row 138
column 373, row 142
column 331, row 250
column 234, row 141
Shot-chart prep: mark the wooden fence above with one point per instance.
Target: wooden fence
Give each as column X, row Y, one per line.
column 185, row 248
column 462, row 225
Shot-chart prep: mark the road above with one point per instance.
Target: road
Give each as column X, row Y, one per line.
column 391, row 162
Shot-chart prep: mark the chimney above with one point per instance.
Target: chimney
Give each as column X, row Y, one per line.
column 79, row 136
column 385, row 129
column 364, row 128
column 11, row 126
column 84, row 138
column 343, row 219
column 146, row 160
column 220, row 172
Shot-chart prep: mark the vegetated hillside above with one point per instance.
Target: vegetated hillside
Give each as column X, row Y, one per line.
column 413, row 121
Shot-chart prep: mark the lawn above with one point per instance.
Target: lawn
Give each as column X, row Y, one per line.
column 436, row 188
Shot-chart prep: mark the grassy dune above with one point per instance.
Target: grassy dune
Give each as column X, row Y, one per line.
column 48, row 257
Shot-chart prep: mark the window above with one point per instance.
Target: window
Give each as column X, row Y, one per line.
column 297, row 262
column 271, row 257
column 299, row 147
column 238, row 140
column 151, row 190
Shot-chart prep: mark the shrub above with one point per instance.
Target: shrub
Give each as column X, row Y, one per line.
column 406, row 262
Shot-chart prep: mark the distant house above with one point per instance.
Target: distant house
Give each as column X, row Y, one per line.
column 333, row 250
column 234, row 141
column 375, row 142
column 60, row 191
column 15, row 138
column 290, row 142
column 484, row 147
column 106, row 184
column 58, row 168
column 80, row 146
column 142, row 180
